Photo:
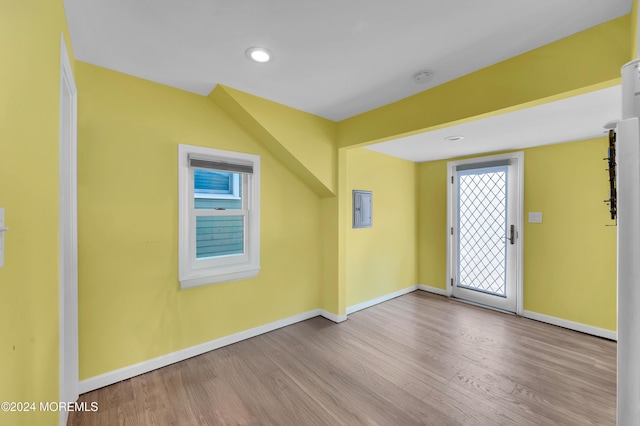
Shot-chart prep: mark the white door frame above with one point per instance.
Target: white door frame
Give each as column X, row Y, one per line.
column 451, row 172
column 68, row 233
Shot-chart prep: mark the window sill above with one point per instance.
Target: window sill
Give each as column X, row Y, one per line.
column 212, row 277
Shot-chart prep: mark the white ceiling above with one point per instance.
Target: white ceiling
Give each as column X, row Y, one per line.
column 333, row 58
column 571, row 119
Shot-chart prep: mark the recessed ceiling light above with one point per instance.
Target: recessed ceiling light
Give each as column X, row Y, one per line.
column 454, row 138
column 258, row 54
column 423, row 76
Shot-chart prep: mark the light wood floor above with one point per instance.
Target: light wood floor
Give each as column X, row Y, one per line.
column 417, row 359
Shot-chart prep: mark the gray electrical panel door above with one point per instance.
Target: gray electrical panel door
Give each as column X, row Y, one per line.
column 362, row 209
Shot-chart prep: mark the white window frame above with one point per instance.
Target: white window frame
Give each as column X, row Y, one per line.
column 194, row 272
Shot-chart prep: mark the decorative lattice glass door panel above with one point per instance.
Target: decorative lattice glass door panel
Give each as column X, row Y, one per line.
column 482, row 224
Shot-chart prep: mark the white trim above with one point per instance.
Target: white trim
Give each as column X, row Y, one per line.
column 332, row 317
column 116, row 376
column 520, row 236
column 68, row 234
column 373, row 302
column 205, row 278
column 471, row 302
column 434, row 290
column 519, row 156
column 576, row 326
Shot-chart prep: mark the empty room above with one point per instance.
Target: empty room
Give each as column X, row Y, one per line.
column 282, row 212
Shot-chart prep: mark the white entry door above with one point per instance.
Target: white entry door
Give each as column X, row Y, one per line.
column 484, row 233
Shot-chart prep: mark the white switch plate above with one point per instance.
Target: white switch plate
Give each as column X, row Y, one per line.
column 1, row 237
column 535, row 217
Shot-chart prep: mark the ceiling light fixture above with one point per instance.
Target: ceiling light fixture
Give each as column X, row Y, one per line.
column 423, row 76
column 454, row 138
column 258, row 54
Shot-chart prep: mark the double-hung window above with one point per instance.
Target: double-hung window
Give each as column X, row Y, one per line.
column 219, row 215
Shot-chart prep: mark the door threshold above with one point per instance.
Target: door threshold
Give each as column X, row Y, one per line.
column 482, row 306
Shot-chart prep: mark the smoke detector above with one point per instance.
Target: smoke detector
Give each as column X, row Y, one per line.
column 454, row 138
column 423, row 76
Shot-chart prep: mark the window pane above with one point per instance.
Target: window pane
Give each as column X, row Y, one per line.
column 217, row 190
column 212, row 182
column 219, row 236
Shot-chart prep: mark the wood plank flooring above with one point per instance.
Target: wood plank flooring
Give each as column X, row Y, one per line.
column 417, row 359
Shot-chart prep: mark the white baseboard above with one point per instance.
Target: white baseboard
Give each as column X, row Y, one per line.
column 372, row 302
column 576, row 326
column 434, row 290
column 116, row 376
column 332, row 317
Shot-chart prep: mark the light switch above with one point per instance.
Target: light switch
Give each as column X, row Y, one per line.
column 3, row 230
column 535, row 217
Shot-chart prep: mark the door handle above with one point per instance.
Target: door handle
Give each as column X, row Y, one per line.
column 512, row 235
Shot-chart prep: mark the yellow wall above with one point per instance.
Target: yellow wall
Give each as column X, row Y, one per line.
column 329, row 256
column 432, row 223
column 344, row 219
column 309, row 140
column 131, row 306
column 569, row 259
column 29, row 144
column 590, row 57
column 382, row 259
column 634, row 30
